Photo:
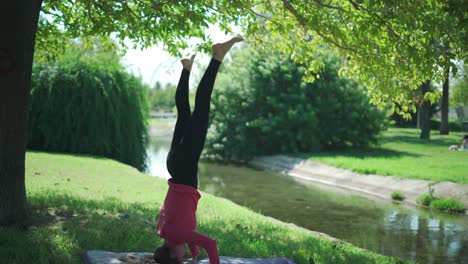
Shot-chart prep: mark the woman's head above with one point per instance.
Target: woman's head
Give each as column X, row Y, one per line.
column 169, row 254
column 466, row 136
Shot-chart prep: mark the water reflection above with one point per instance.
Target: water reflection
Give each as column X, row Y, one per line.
column 157, row 153
column 421, row 235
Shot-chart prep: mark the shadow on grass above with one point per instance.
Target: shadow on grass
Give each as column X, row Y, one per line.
column 435, row 142
column 396, row 137
column 65, row 227
column 76, row 155
column 360, row 153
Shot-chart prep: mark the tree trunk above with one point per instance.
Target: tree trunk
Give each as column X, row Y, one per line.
column 425, row 112
column 444, row 127
column 418, row 121
column 18, row 24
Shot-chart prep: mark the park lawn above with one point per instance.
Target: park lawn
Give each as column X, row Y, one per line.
column 160, row 121
column 156, row 121
column 403, row 154
column 85, row 203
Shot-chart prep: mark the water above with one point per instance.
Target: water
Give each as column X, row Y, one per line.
column 408, row 233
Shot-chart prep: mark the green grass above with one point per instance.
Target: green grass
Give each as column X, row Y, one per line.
column 85, row 203
column 160, row 121
column 398, row 196
column 403, row 154
column 449, row 205
column 442, row 204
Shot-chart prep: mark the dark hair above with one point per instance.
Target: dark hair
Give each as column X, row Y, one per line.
column 162, row 255
column 466, row 136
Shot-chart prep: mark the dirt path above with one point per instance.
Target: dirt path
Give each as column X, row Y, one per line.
column 375, row 185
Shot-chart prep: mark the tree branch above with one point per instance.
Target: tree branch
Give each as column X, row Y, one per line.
column 330, row 6
column 355, row 5
column 304, row 22
column 382, row 22
column 266, row 17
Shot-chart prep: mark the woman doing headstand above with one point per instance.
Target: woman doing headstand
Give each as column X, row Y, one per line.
column 177, row 222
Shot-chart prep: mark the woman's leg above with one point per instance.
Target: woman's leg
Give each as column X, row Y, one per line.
column 197, row 127
column 183, row 117
column 183, row 108
column 184, row 160
column 198, row 124
column 182, row 102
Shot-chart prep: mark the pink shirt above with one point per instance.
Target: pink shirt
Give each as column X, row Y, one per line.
column 177, row 221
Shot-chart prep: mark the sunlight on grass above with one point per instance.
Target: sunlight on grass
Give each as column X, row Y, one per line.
column 160, row 121
column 403, row 154
column 80, row 204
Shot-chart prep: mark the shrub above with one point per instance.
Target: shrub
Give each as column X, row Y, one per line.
column 365, row 170
column 262, row 106
column 398, row 196
column 425, row 199
column 450, row 205
column 400, row 121
column 454, row 124
column 459, row 90
column 88, row 107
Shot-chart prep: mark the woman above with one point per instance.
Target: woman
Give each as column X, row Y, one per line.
column 464, row 145
column 177, row 222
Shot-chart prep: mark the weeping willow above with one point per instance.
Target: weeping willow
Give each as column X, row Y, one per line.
column 83, row 108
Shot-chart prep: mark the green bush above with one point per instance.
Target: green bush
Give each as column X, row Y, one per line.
column 88, row 107
column 365, row 170
column 262, row 106
column 399, row 121
column 459, row 89
column 454, row 125
column 425, row 199
column 398, row 196
column 450, row 205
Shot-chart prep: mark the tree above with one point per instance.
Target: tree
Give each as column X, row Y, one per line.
column 262, row 106
column 389, row 46
column 444, row 126
column 162, row 98
column 17, row 26
column 425, row 108
column 459, row 96
column 392, row 46
column 85, row 102
column 143, row 22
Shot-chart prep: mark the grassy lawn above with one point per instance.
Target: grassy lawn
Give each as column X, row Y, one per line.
column 160, row 121
column 403, row 154
column 84, row 203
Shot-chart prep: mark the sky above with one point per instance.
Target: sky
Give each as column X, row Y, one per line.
column 155, row 64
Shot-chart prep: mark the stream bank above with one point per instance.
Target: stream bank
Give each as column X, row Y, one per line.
column 373, row 185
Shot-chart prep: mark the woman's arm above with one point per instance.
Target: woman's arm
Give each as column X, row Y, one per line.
column 194, row 250
column 209, row 244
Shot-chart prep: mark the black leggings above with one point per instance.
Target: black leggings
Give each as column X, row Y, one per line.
column 190, row 130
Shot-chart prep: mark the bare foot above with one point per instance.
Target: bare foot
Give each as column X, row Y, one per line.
column 187, row 63
column 220, row 49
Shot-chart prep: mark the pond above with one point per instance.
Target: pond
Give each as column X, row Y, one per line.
column 376, row 225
